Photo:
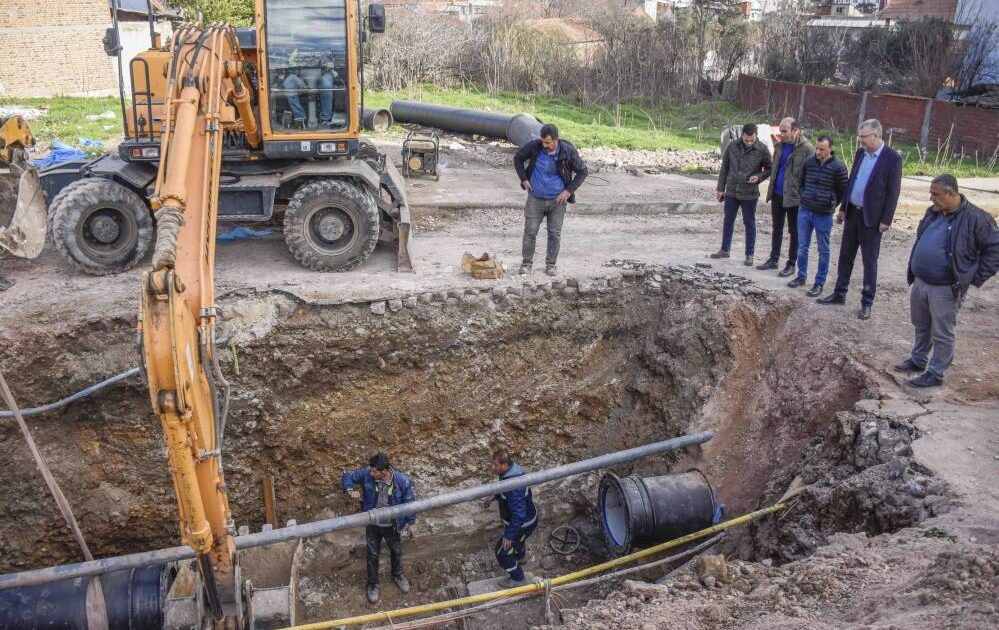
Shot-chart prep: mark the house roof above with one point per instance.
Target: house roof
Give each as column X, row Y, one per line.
column 918, row 9
column 572, row 31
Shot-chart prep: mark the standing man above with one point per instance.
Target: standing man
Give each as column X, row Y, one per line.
column 744, row 165
column 784, row 195
column 957, row 245
column 868, row 210
column 823, row 186
column 517, row 511
column 381, row 487
column 551, row 171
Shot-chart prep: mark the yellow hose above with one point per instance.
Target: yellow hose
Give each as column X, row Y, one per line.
column 537, row 587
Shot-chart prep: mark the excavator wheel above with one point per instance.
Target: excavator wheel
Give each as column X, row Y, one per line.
column 331, row 225
column 100, row 227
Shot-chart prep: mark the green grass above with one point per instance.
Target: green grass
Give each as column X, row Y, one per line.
column 66, row 119
column 633, row 126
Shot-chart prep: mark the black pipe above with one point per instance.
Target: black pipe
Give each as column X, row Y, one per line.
column 636, row 512
column 374, row 119
column 518, row 129
column 133, row 600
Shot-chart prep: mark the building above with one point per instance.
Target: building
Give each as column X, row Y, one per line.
column 589, row 45
column 133, row 24
column 465, row 10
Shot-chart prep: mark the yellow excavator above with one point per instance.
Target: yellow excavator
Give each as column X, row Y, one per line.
column 218, row 95
column 289, row 140
column 22, row 205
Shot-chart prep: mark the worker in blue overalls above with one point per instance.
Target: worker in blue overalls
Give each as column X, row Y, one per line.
column 520, row 517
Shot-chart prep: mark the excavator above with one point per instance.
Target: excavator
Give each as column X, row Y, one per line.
column 22, row 204
column 289, row 140
column 207, row 100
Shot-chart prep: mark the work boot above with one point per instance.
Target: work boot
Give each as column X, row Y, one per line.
column 797, row 282
column 909, row 366
column 525, row 268
column 770, row 264
column 926, row 380
column 509, row 582
column 551, row 270
column 787, row 270
column 721, row 253
column 402, row 583
column 865, row 312
column 749, row 260
column 374, row 591
column 815, row 291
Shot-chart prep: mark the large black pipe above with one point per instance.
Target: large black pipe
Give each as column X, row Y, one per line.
column 133, row 600
column 636, row 512
column 518, row 129
column 374, row 119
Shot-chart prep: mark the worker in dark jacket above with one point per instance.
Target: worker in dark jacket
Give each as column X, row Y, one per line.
column 957, row 246
column 520, row 517
column 551, row 172
column 822, row 186
column 744, row 165
column 867, row 211
column 381, row 486
column 784, row 194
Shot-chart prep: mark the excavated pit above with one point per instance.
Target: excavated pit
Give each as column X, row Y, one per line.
column 557, row 373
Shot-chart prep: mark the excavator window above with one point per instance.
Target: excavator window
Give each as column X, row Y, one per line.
column 307, row 64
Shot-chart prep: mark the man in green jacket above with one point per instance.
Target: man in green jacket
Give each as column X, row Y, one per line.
column 784, row 194
column 745, row 165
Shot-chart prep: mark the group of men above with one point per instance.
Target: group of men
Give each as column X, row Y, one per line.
column 957, row 243
column 380, row 485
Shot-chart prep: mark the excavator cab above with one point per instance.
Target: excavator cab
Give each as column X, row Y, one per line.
column 295, row 159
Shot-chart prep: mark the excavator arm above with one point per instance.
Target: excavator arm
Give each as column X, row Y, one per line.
column 177, row 318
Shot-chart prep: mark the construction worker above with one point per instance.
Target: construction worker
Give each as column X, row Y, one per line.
column 518, row 513
column 381, row 486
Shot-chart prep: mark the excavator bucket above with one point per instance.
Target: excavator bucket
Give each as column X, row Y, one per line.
column 22, row 215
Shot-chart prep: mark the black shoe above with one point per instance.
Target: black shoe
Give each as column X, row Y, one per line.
column 373, row 593
column 832, row 298
column 770, row 264
column 402, row 583
column 797, row 282
column 788, row 270
column 926, row 380
column 909, row 366
column 865, row 312
column 815, row 291
column 525, row 269
column 749, row 260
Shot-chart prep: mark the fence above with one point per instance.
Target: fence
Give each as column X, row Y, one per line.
column 908, row 119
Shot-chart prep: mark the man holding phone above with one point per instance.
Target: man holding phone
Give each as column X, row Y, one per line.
column 745, row 165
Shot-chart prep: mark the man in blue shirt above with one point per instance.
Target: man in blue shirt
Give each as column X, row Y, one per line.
column 520, row 519
column 957, row 246
column 381, row 486
column 867, row 212
column 551, row 171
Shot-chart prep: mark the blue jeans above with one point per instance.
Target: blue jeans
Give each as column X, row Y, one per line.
column 293, row 82
column 822, row 224
column 732, row 206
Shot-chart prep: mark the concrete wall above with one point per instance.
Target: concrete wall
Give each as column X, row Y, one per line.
column 53, row 47
column 909, row 119
column 135, row 39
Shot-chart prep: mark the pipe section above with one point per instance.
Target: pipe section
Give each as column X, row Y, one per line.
column 374, row 119
column 518, row 129
column 377, row 515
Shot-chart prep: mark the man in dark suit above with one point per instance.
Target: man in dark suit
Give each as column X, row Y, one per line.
column 867, row 211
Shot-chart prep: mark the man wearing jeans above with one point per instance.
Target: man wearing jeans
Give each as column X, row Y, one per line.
column 551, row 171
column 745, row 164
column 957, row 245
column 823, row 186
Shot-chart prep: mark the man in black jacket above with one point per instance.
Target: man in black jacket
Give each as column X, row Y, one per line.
column 551, row 171
column 745, row 164
column 868, row 210
column 957, row 245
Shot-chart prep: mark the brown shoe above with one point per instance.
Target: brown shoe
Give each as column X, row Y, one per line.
column 721, row 253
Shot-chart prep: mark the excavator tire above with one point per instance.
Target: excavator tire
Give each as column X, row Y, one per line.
column 100, row 227
column 331, row 225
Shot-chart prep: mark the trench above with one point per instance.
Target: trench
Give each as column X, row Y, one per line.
column 554, row 373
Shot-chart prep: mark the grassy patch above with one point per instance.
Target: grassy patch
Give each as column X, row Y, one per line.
column 633, row 126
column 66, row 119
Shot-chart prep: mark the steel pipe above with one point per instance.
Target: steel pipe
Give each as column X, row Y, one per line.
column 518, row 129
column 378, row 515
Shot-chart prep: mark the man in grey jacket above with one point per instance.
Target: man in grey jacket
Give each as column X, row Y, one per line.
column 784, row 194
column 745, row 165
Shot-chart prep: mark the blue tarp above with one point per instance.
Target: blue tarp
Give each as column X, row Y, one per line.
column 59, row 154
column 239, row 233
